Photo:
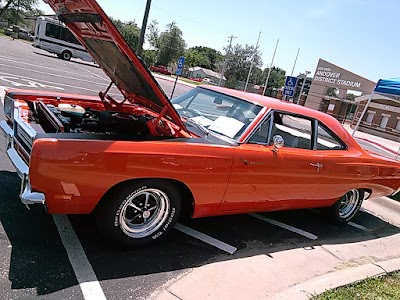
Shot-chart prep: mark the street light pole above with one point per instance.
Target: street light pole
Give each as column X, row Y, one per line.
column 252, row 61
column 270, row 68
column 143, row 29
column 302, row 86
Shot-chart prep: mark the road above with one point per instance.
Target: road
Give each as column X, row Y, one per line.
column 36, row 254
column 25, row 67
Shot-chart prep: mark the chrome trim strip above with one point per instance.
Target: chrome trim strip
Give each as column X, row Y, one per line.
column 6, row 129
column 19, row 165
column 21, row 123
column 27, row 196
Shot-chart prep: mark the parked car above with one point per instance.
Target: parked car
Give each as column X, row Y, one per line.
column 209, row 81
column 9, row 31
column 160, row 69
column 140, row 164
column 198, row 79
column 25, row 35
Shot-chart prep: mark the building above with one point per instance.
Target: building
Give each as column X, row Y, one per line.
column 215, row 77
column 382, row 117
column 333, row 91
column 330, row 77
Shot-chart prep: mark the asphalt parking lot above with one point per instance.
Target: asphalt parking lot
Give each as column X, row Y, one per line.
column 37, row 251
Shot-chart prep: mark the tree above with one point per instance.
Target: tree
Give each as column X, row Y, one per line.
column 195, row 58
column 332, row 92
column 203, row 57
column 276, row 78
column 351, row 96
column 171, row 45
column 239, row 60
column 14, row 11
column 129, row 30
column 153, row 35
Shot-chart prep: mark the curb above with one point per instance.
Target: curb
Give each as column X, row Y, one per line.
column 172, row 79
column 320, row 284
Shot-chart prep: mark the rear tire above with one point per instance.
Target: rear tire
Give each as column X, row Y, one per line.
column 346, row 207
column 66, row 55
column 139, row 213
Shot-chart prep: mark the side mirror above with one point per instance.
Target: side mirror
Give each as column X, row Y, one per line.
column 278, row 142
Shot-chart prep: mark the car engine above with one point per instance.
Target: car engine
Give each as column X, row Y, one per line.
column 75, row 119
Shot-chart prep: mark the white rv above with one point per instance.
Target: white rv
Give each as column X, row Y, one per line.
column 54, row 37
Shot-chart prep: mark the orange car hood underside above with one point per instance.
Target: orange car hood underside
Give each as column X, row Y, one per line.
column 98, row 35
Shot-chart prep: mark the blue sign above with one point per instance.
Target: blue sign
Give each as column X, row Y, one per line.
column 290, row 86
column 181, row 62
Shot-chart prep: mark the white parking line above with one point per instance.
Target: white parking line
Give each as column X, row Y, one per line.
column 285, row 226
column 94, row 74
column 358, row 226
column 371, row 213
column 12, row 59
column 84, row 273
column 2, row 93
column 206, row 238
column 55, row 75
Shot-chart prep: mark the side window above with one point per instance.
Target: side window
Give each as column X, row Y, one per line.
column 53, row 31
column 295, row 130
column 327, row 141
column 260, row 136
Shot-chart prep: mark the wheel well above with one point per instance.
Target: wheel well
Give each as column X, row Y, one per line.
column 187, row 196
column 367, row 193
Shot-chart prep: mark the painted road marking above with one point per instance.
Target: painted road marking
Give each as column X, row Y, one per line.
column 12, row 59
column 54, row 75
column 285, row 226
column 206, row 238
column 29, row 83
column 94, row 74
column 2, row 94
column 84, row 273
column 371, row 213
column 358, row 226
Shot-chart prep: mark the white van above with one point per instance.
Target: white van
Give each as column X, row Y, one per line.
column 54, row 37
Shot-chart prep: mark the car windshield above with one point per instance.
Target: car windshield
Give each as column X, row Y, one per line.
column 216, row 112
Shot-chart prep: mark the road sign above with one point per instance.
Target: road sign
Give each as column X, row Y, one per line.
column 181, row 62
column 290, row 86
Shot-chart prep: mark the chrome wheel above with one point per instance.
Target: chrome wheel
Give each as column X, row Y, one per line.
column 144, row 213
column 349, row 203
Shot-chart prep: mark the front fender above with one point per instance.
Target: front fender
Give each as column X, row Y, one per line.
column 75, row 174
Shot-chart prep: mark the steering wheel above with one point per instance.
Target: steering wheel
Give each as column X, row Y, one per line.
column 189, row 113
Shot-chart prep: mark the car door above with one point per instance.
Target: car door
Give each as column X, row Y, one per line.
column 265, row 178
column 342, row 170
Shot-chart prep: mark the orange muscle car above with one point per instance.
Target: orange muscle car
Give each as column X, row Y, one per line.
column 140, row 163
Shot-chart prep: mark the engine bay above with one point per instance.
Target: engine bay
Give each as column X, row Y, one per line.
column 69, row 118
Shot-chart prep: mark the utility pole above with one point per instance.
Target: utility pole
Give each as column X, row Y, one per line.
column 270, row 68
column 143, row 29
column 226, row 57
column 252, row 60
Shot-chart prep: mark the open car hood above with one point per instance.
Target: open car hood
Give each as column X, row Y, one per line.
column 98, row 35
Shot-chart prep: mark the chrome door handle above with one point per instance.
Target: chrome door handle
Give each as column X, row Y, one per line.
column 318, row 165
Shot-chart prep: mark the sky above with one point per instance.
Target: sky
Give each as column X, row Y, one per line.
column 358, row 35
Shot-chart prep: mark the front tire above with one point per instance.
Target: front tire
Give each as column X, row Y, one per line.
column 346, row 207
column 139, row 213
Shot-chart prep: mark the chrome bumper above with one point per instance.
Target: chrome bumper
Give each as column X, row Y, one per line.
column 26, row 195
